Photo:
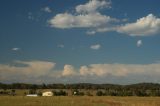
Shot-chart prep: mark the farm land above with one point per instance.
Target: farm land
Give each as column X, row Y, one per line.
column 143, row 94
column 20, row 99
column 78, row 101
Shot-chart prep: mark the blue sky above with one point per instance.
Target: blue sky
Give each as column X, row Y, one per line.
column 70, row 41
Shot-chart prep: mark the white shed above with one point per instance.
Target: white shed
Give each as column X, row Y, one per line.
column 32, row 95
column 49, row 93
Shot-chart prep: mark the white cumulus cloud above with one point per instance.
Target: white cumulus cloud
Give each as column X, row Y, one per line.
column 93, row 5
column 95, row 47
column 91, row 32
column 144, row 26
column 15, row 49
column 86, row 16
column 67, row 20
column 60, row 46
column 139, row 43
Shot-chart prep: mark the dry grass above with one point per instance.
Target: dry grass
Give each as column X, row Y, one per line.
column 78, row 101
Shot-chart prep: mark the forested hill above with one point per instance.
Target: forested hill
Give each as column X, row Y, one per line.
column 142, row 86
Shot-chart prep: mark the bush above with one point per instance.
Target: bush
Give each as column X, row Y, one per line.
column 32, row 91
column 13, row 92
column 99, row 93
column 89, row 94
column 39, row 93
column 60, row 93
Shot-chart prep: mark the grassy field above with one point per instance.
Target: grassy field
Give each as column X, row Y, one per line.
column 78, row 101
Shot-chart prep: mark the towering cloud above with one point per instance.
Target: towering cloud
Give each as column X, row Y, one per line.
column 68, row 70
column 38, row 71
column 25, row 70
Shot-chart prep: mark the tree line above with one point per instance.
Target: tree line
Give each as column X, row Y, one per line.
column 141, row 89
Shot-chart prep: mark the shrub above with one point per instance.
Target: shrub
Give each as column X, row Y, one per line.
column 99, row 93
column 60, row 93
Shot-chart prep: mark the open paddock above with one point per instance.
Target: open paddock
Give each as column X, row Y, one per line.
column 78, row 101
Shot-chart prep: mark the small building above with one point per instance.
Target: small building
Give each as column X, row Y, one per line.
column 32, row 95
column 48, row 93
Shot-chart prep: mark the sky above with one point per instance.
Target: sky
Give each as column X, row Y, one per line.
column 80, row 41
